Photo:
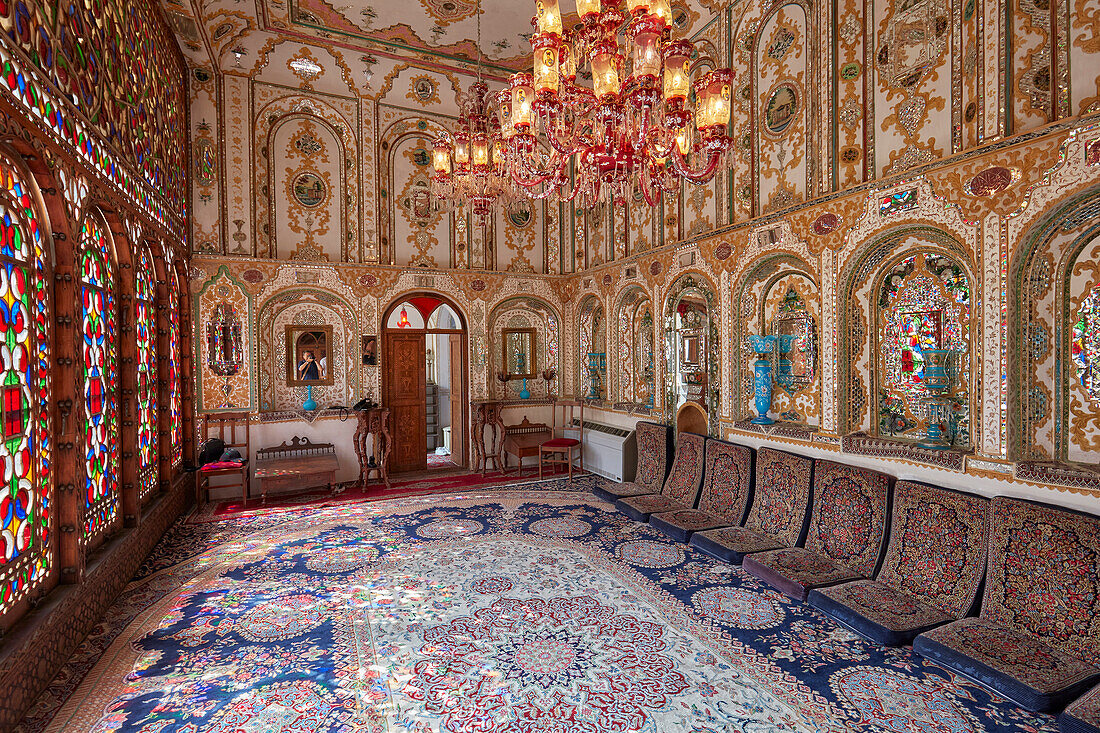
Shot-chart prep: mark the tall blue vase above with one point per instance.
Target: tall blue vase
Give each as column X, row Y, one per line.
column 310, row 404
column 937, row 379
column 762, row 382
column 525, row 394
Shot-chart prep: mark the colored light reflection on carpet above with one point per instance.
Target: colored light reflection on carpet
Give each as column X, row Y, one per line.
column 519, row 611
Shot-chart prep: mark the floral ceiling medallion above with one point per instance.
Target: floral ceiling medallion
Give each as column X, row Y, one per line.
column 305, row 67
column 446, row 12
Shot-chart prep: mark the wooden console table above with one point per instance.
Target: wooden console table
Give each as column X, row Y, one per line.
column 372, row 438
column 487, row 413
column 299, row 465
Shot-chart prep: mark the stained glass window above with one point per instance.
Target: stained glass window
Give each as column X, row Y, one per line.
column 925, row 304
column 145, row 328
column 97, row 275
column 25, row 451
column 175, row 402
column 1085, row 349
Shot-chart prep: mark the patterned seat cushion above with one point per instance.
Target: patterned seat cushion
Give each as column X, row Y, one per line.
column 682, row 523
column 931, row 573
column 1015, row 664
column 1082, row 716
column 639, row 508
column 686, row 477
column 794, row 571
column 1039, row 636
column 614, row 491
column 938, row 540
column 731, row 544
column 784, row 483
column 727, row 482
column 878, row 611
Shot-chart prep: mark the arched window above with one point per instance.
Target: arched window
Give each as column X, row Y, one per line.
column 25, row 451
column 97, row 277
column 175, row 403
column 145, row 326
column 592, row 354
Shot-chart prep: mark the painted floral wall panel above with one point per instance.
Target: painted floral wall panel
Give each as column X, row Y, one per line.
column 1039, row 345
column 308, row 190
column 783, row 100
column 206, row 167
column 422, row 230
column 1084, row 56
column 1031, row 58
column 221, row 391
column 912, row 80
column 520, row 247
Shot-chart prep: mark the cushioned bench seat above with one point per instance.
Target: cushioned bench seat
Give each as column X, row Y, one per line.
column 846, row 537
column 783, row 487
column 1013, row 663
column 931, row 574
column 1037, row 640
column 724, row 501
column 1082, row 716
column 681, row 488
column 654, row 442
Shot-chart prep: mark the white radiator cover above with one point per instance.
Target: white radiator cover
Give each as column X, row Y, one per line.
column 609, row 451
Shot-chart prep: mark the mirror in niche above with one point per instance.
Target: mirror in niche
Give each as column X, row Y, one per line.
column 224, row 345
column 307, row 356
column 796, row 344
column 519, row 356
column 635, row 367
column 690, row 335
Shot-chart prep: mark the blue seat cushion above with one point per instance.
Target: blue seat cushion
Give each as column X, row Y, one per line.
column 732, row 544
column 878, row 612
column 1012, row 663
column 614, row 491
column 682, row 523
column 1082, row 716
column 795, row 571
column 639, row 508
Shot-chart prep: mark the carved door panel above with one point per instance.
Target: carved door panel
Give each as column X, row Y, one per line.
column 404, row 376
column 458, row 399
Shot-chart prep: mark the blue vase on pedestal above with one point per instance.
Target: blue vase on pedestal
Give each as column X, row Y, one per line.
column 525, row 394
column 937, row 379
column 310, row 404
column 762, row 382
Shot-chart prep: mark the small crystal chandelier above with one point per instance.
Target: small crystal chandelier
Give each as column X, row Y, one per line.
column 634, row 129
column 469, row 164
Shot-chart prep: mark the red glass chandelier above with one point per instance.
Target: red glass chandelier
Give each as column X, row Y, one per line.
column 636, row 128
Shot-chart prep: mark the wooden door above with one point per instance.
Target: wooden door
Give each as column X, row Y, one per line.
column 404, row 375
column 458, row 399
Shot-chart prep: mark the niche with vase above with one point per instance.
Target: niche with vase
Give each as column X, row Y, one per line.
column 523, row 333
column 635, row 366
column 592, row 350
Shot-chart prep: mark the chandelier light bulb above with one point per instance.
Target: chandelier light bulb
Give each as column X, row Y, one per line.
column 441, row 157
column 588, row 7
column 548, row 16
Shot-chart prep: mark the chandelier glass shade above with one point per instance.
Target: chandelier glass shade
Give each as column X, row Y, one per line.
column 643, row 125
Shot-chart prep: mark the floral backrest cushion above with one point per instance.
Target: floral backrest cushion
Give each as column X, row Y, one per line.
column 937, row 546
column 1043, row 574
column 850, row 515
column 652, row 455
column 783, row 486
column 686, row 475
column 727, row 480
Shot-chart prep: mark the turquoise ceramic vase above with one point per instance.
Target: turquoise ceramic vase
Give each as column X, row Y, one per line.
column 762, row 383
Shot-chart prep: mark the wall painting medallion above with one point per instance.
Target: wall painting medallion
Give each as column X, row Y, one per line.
column 781, row 109
column 1085, row 349
column 308, row 356
column 520, row 214
column 309, row 190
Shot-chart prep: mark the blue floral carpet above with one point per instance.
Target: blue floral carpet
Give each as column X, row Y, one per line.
column 534, row 610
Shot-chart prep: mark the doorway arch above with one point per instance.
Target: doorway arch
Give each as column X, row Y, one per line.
column 425, row 381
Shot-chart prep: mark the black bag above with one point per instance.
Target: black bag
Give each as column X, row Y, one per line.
column 211, row 450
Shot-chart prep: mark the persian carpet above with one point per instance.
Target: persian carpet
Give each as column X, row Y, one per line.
column 520, row 611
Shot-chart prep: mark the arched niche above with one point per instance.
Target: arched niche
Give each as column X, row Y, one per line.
column 524, row 312
column 300, row 307
column 691, row 352
column 591, row 350
column 635, row 364
column 307, row 184
column 1054, row 391
column 224, row 310
column 779, row 296
column 894, row 281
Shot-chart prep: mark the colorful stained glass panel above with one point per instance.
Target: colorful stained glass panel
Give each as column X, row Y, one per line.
column 1085, row 349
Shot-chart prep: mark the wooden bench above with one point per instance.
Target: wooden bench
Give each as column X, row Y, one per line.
column 300, row 465
column 523, row 440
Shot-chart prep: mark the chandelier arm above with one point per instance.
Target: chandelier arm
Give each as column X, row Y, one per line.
column 645, row 182
column 696, row 176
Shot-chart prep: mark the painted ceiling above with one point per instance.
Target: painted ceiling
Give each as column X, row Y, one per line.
column 432, row 33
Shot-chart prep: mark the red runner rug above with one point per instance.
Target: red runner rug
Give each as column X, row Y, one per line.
column 424, row 482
